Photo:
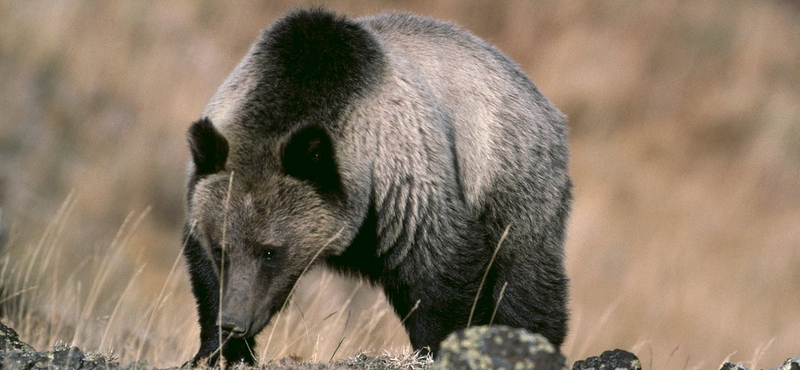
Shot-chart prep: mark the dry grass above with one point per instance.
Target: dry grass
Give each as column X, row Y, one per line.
column 159, row 323
column 685, row 129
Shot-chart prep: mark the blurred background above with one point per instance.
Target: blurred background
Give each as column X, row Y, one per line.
column 683, row 244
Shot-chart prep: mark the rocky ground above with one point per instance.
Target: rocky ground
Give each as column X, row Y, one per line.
column 476, row 348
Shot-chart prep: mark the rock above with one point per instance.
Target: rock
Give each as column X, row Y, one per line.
column 730, row 366
column 9, row 340
column 610, row 360
column 58, row 358
column 15, row 354
column 498, row 347
column 790, row 364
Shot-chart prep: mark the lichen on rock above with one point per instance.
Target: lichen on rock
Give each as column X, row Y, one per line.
column 498, row 347
column 9, row 341
column 731, row 366
column 15, row 354
column 610, row 360
column 790, row 364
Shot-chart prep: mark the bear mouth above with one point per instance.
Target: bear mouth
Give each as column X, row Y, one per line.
column 259, row 325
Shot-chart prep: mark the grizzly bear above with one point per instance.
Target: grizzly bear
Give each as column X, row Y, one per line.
column 395, row 148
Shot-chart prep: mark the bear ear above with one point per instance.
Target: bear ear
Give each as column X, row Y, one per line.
column 209, row 148
column 309, row 156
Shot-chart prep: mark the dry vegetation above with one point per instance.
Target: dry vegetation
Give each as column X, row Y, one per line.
column 684, row 243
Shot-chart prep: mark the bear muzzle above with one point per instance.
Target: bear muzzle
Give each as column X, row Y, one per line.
column 235, row 326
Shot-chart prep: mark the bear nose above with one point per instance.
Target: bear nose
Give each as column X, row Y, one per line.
column 237, row 327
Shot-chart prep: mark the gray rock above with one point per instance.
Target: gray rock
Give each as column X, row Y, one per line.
column 790, row 364
column 15, row 354
column 58, row 358
column 498, row 347
column 730, row 366
column 610, row 360
column 9, row 340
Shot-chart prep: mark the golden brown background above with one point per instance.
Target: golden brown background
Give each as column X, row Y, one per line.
column 684, row 241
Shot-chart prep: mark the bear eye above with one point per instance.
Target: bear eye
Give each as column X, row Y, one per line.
column 268, row 255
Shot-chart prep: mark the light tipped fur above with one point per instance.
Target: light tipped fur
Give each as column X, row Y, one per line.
column 412, row 141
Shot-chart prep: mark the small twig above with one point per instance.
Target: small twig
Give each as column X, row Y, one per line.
column 499, row 298
column 486, row 274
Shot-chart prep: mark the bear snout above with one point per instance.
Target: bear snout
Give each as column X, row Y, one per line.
column 235, row 326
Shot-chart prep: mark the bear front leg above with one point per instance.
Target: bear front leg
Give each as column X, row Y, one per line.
column 424, row 333
column 205, row 287
column 429, row 325
column 208, row 354
column 434, row 306
column 438, row 313
column 234, row 350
